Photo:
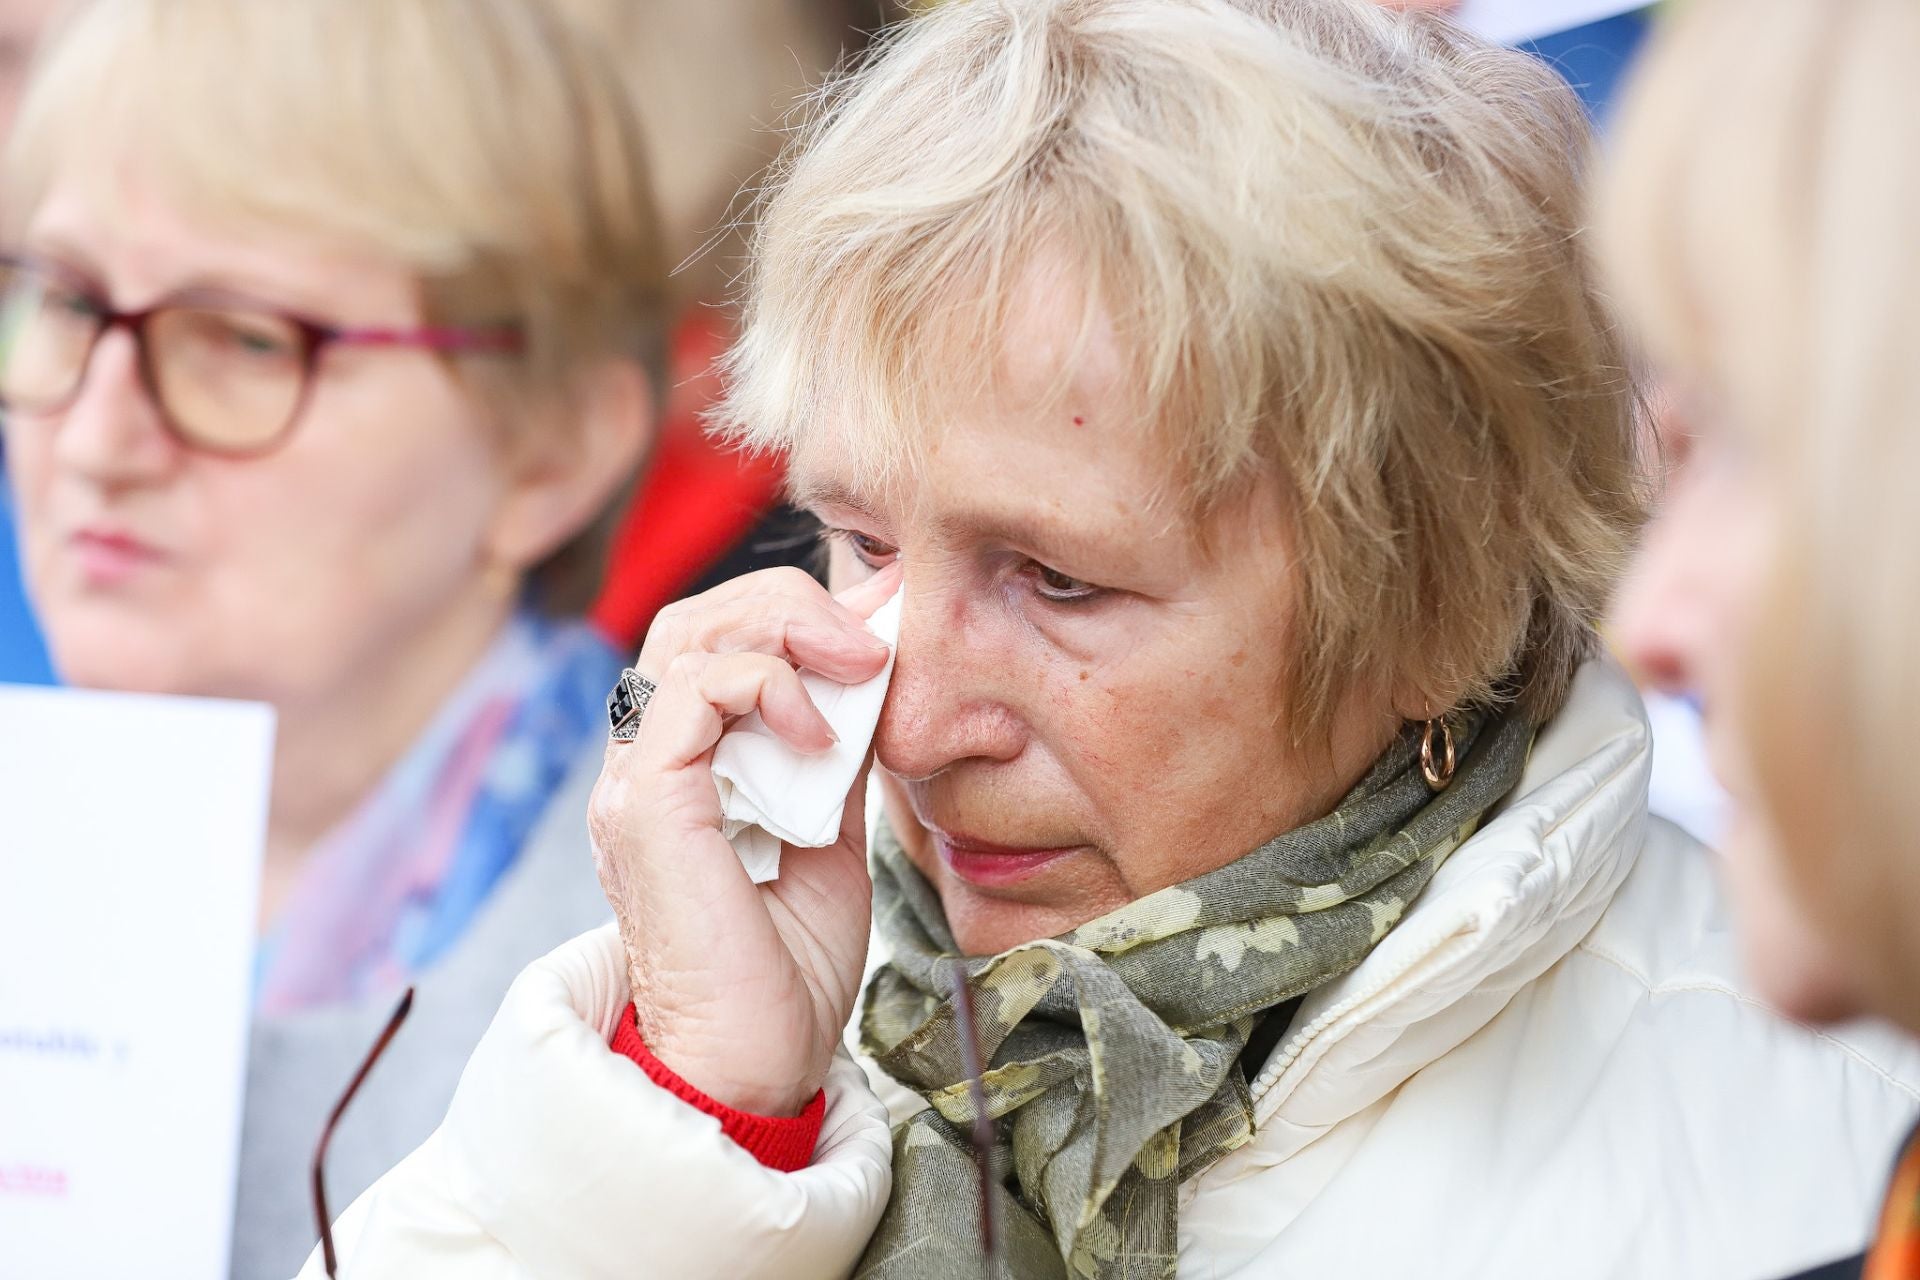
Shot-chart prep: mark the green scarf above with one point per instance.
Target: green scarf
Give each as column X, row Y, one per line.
column 1113, row 1071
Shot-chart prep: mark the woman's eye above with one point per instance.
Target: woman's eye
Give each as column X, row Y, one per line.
column 1058, row 587
column 868, row 550
column 73, row 304
column 256, row 342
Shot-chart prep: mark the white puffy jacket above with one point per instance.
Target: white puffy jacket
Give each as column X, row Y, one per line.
column 1548, row 1069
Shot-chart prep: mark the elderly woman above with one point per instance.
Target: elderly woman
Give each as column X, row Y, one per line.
column 1222, row 390
column 1783, row 579
column 326, row 365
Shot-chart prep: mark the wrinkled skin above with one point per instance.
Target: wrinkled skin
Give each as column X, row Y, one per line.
column 1085, row 708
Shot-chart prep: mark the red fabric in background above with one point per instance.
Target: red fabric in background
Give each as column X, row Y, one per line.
column 696, row 501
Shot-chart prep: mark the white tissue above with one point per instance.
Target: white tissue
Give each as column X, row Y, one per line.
column 770, row 793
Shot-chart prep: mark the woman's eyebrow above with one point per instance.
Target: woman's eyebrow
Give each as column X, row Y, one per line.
column 57, row 247
column 808, row 492
column 73, row 254
column 1037, row 533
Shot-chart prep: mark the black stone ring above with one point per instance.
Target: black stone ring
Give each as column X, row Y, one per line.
column 627, row 703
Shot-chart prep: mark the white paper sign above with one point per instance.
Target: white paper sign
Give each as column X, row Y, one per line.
column 1511, row 21
column 131, row 831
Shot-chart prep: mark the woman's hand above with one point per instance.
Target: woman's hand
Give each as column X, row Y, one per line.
column 743, row 990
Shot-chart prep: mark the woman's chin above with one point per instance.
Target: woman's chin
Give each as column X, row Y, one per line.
column 985, row 926
column 987, row 920
column 85, row 664
column 1805, row 985
column 131, row 660
column 996, row 898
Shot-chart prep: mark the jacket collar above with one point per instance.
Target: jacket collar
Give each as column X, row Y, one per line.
column 1506, row 906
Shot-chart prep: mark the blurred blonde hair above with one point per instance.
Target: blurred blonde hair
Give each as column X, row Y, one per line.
column 1334, row 244
column 716, row 82
column 1760, row 218
column 487, row 145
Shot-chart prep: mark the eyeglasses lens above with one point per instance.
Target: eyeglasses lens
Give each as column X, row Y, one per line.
column 229, row 379
column 47, row 329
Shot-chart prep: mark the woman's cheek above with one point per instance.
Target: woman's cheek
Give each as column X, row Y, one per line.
column 1100, row 640
column 906, row 828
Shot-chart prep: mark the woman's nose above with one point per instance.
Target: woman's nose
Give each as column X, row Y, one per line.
column 112, row 432
column 949, row 698
column 1663, row 615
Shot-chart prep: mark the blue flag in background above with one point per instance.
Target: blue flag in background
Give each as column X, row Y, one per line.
column 23, row 659
column 1593, row 57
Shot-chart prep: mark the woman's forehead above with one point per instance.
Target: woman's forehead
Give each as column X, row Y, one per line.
column 143, row 239
column 1050, row 379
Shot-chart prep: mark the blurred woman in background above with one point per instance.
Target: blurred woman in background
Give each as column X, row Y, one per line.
column 330, row 342
column 1761, row 221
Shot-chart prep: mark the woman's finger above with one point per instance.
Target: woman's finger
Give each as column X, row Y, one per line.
column 865, row 598
column 815, row 632
column 701, row 691
column 786, row 581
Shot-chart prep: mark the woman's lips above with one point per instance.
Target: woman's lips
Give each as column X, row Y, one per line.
column 109, row 557
column 979, row 862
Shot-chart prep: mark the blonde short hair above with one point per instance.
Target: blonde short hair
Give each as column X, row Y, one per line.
column 1337, row 244
column 1759, row 216
column 487, row 145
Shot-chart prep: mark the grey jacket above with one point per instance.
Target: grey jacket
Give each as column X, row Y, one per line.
column 299, row 1065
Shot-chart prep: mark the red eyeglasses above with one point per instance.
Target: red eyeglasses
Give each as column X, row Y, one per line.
column 229, row 376
column 322, row 1214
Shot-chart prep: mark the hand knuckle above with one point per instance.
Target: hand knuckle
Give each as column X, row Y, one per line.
column 609, row 795
column 668, row 632
column 686, row 667
column 602, row 832
column 792, row 578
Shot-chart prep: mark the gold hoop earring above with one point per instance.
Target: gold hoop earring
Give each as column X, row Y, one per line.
column 1438, row 775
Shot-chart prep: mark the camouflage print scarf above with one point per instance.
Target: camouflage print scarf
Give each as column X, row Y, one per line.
column 1112, row 1052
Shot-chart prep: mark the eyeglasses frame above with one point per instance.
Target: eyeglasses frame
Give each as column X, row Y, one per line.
column 315, row 338
column 322, row 1214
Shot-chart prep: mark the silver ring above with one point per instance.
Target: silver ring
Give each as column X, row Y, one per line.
column 627, row 704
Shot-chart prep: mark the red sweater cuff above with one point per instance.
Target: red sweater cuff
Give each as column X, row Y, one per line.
column 778, row 1142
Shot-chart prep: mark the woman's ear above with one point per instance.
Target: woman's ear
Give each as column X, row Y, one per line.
column 1416, row 701
column 563, row 474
